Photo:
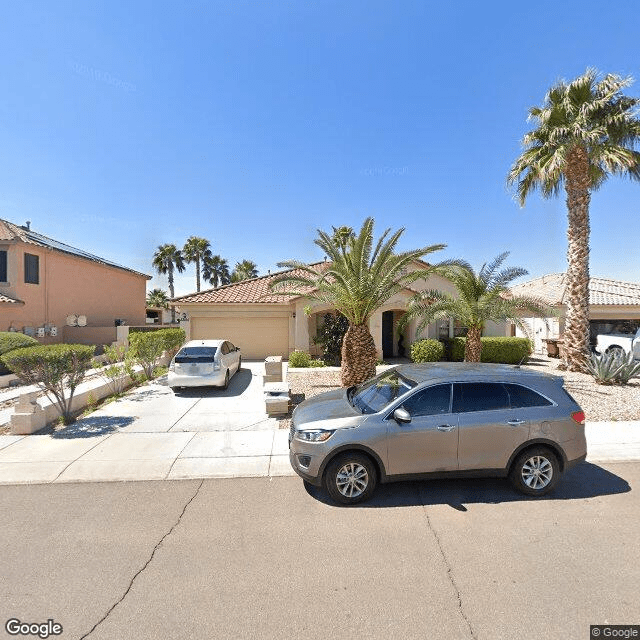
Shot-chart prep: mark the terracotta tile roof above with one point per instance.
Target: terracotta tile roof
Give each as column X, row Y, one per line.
column 15, row 233
column 5, row 299
column 602, row 291
column 253, row 290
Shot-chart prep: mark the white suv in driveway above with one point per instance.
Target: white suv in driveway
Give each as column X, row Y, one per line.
column 204, row 363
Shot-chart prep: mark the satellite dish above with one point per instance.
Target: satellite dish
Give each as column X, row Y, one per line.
column 82, row 321
column 72, row 320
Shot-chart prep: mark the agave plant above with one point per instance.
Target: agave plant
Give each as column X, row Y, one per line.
column 615, row 367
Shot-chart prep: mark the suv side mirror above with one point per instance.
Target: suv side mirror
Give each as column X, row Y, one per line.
column 402, row 416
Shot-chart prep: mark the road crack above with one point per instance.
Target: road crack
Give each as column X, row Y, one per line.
column 146, row 564
column 449, row 568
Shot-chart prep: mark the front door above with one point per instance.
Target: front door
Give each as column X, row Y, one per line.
column 430, row 441
column 387, row 334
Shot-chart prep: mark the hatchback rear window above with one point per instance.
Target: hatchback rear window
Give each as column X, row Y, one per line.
column 196, row 354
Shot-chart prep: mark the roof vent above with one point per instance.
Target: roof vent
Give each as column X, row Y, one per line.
column 27, row 225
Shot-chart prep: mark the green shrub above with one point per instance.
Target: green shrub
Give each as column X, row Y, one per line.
column 10, row 340
column 299, row 359
column 427, row 351
column 173, row 339
column 317, row 363
column 146, row 348
column 495, row 349
column 330, row 336
column 119, row 365
column 56, row 368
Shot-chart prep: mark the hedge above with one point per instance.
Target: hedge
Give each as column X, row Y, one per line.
column 427, row 351
column 501, row 350
column 10, row 340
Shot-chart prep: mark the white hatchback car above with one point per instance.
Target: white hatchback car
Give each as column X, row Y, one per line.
column 203, row 363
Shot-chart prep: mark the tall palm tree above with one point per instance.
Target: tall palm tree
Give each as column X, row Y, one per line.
column 157, row 298
column 586, row 130
column 167, row 259
column 482, row 297
column 215, row 270
column 196, row 250
column 244, row 270
column 357, row 280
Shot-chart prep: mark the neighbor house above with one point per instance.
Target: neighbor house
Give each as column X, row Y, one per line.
column 248, row 314
column 58, row 293
column 613, row 305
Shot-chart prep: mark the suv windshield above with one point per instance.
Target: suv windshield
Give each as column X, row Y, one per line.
column 196, row 354
column 375, row 394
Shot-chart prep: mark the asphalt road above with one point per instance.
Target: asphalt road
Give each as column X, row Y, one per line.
column 265, row 558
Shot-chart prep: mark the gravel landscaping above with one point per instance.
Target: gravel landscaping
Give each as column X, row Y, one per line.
column 599, row 402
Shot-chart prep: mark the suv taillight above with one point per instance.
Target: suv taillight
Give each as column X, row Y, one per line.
column 578, row 416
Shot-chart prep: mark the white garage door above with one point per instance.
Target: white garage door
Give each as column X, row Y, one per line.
column 257, row 337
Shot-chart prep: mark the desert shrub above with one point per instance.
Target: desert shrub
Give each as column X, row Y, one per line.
column 427, row 351
column 317, row 363
column 145, row 349
column 299, row 359
column 119, row 366
column 330, row 336
column 58, row 369
column 10, row 340
column 495, row 349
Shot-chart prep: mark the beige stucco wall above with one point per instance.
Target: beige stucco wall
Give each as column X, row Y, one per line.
column 70, row 285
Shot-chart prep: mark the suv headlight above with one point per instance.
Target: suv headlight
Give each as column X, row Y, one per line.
column 314, row 435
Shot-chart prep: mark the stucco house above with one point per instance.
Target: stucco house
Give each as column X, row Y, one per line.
column 46, row 286
column 612, row 304
column 263, row 324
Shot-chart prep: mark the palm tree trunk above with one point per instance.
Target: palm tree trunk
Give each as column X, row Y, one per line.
column 473, row 345
column 197, row 274
column 576, row 333
column 172, row 294
column 358, row 355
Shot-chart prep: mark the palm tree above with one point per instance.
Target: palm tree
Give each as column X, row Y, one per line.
column 356, row 281
column 215, row 270
column 482, row 297
column 196, row 250
column 586, row 131
column 167, row 259
column 244, row 270
column 157, row 298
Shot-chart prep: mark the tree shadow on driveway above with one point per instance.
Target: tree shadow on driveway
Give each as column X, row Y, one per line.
column 584, row 481
column 92, row 426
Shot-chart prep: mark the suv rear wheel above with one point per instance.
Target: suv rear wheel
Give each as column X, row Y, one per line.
column 350, row 478
column 535, row 471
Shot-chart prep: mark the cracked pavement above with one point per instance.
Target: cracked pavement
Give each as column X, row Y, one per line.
column 265, row 558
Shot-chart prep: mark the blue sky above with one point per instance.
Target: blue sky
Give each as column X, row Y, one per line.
column 125, row 125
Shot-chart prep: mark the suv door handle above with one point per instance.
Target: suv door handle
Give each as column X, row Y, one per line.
column 516, row 423
column 446, row 427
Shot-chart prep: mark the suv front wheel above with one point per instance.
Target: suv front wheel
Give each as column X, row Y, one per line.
column 535, row 471
column 350, row 478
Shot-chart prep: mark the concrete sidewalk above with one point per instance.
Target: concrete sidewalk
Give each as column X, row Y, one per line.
column 215, row 454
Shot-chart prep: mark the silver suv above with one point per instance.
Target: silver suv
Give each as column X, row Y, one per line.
column 436, row 420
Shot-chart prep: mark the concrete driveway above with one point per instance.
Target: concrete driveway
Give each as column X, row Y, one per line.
column 155, row 408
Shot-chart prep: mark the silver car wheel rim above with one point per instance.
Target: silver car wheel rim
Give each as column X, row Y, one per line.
column 537, row 472
column 352, row 480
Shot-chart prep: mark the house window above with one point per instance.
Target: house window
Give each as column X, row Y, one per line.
column 31, row 268
column 3, row 266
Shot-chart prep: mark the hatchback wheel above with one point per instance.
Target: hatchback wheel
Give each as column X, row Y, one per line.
column 535, row 472
column 350, row 478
